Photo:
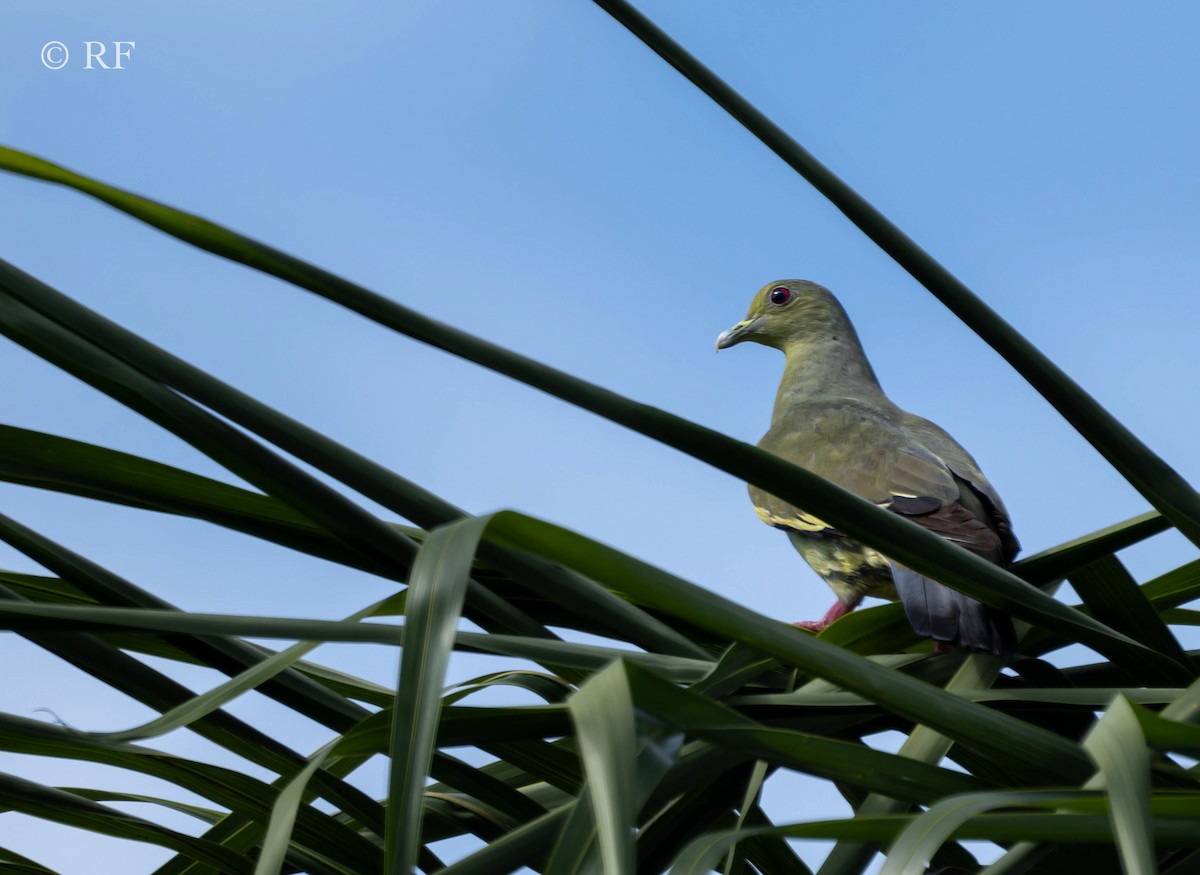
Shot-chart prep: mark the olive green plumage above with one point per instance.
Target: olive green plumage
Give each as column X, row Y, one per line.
column 832, row 418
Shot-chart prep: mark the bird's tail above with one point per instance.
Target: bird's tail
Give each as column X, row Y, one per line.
column 936, row 611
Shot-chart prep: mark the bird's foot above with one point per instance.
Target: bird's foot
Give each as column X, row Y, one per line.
column 838, row 611
column 942, row 647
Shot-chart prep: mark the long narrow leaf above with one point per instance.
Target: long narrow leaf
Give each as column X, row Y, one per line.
column 277, row 839
column 923, row 744
column 435, row 600
column 228, row 655
column 51, row 462
column 58, row 805
column 23, row 615
column 226, row 445
column 1114, row 598
column 358, row 472
column 21, row 865
column 1008, row 739
column 1119, row 749
column 901, row 539
column 602, row 711
column 829, row 758
column 144, row 684
column 1161, row 485
column 1174, row 830
column 1062, row 559
column 915, row 847
column 226, row 692
column 1174, row 588
column 225, row 787
column 1011, row 740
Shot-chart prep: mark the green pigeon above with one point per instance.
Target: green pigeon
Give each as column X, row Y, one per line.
column 832, row 418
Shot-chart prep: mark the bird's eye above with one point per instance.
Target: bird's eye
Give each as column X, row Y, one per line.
column 780, row 295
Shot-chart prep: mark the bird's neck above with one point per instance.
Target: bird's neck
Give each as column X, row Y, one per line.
column 826, row 369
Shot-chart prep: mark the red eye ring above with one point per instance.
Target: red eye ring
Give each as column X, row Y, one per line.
column 780, row 295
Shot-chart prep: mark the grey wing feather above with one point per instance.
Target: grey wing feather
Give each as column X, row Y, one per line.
column 944, row 614
column 965, row 468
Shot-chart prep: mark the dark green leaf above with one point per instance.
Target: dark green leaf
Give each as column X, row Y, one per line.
column 1162, row 486
column 1114, row 598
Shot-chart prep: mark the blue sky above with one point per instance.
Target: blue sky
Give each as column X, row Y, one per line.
column 531, row 173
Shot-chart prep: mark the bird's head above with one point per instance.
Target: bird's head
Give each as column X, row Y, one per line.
column 787, row 311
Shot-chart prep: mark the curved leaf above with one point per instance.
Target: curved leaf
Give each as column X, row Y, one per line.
column 1119, row 748
column 915, row 847
column 901, row 539
column 435, row 602
column 1161, row 485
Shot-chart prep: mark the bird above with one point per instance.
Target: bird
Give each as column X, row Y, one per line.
column 832, row 418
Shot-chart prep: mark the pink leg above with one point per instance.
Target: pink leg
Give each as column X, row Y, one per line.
column 838, row 611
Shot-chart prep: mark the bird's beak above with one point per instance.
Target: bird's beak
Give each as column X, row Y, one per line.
column 737, row 333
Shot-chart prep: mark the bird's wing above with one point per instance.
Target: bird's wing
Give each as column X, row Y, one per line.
column 963, row 466
column 873, row 454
